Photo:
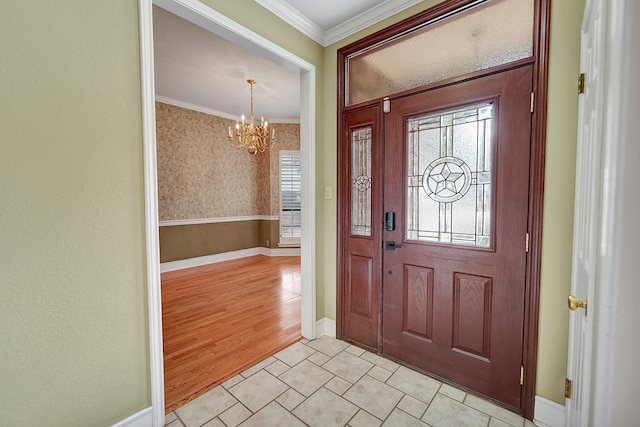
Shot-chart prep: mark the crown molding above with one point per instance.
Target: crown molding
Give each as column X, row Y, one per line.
column 325, row 38
column 294, row 18
column 212, row 112
column 366, row 19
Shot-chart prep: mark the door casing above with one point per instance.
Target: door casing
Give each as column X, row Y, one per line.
column 195, row 11
column 536, row 173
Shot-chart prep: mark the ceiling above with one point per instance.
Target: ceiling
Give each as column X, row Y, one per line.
column 200, row 70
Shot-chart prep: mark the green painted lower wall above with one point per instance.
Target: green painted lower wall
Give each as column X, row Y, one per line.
column 190, row 241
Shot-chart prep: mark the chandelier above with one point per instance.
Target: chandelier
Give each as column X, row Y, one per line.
column 251, row 137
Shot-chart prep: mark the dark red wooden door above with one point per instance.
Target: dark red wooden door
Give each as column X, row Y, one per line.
column 456, row 176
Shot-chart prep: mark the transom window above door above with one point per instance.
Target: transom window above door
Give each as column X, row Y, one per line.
column 485, row 34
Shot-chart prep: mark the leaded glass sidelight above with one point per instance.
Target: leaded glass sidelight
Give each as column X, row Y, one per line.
column 449, row 176
column 361, row 181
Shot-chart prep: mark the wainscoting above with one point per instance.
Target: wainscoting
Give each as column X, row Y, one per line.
column 180, row 240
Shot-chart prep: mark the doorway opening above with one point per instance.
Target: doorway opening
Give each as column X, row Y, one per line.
column 213, row 21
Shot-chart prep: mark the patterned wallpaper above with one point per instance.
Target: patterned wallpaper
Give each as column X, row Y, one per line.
column 201, row 176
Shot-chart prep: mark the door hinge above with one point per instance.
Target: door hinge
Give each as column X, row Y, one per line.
column 526, row 243
column 568, row 388
column 532, row 101
column 580, row 83
column 521, row 375
column 386, row 105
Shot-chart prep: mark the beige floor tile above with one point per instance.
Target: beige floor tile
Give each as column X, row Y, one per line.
column 325, row 409
column 214, row 423
column 380, row 361
column 344, row 385
column 306, row 377
column 327, row 345
column 294, row 354
column 412, row 406
column 258, row 366
column 348, row 367
column 497, row 423
column 234, row 415
column 290, row 399
column 374, row 396
column 205, row 407
column 356, row 351
column 170, row 417
column 277, row 368
column 379, row 373
column 272, row 415
column 452, row 392
column 232, row 381
column 338, row 385
column 446, row 412
column 364, row 419
column 414, row 384
column 400, row 418
column 319, row 358
column 495, row 411
column 173, row 423
column 258, row 390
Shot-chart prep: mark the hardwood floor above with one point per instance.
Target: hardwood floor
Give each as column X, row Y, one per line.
column 219, row 319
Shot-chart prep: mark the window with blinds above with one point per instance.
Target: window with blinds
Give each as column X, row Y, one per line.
column 290, row 198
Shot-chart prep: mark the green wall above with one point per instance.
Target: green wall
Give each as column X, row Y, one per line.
column 557, row 232
column 73, row 318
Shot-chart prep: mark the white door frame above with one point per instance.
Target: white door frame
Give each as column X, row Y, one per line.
column 613, row 375
column 215, row 22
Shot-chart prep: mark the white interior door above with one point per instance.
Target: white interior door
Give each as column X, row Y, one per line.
column 589, row 182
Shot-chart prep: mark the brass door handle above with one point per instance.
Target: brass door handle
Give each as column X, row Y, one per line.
column 575, row 303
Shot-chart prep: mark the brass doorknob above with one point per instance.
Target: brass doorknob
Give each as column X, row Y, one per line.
column 575, row 303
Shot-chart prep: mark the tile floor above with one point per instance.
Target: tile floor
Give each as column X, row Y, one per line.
column 327, row 382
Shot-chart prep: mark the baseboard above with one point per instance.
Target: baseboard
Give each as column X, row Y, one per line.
column 548, row 413
column 143, row 418
column 282, row 251
column 226, row 256
column 326, row 326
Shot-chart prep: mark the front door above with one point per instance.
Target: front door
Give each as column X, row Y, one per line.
column 456, row 182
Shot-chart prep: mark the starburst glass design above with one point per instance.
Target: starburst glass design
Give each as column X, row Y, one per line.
column 361, row 181
column 449, row 176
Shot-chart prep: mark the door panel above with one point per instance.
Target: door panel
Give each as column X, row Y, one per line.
column 360, row 255
column 589, row 179
column 457, row 176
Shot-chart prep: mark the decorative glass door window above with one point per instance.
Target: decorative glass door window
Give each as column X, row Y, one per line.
column 361, row 181
column 449, row 176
